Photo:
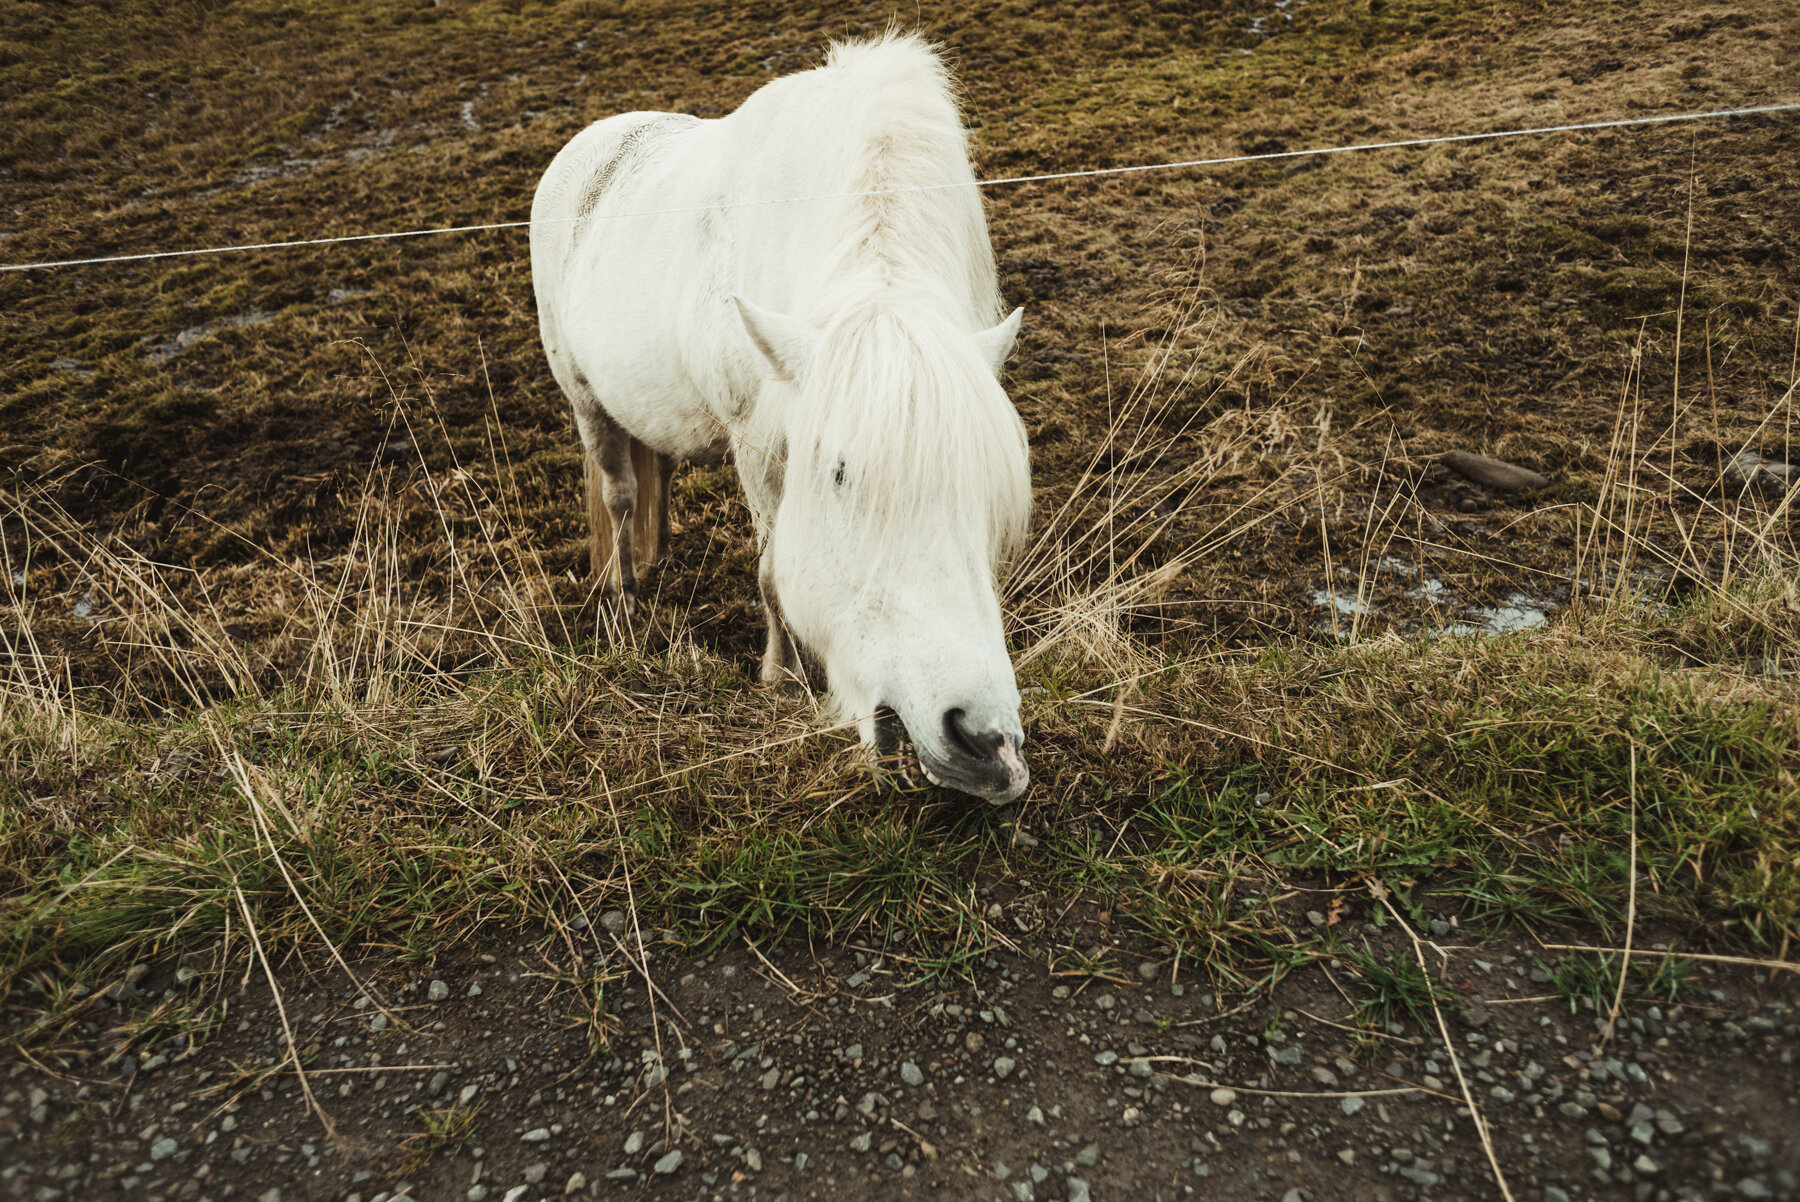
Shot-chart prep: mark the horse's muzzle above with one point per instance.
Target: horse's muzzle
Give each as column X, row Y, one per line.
column 984, row 762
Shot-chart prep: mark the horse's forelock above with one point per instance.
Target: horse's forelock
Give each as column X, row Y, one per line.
column 932, row 447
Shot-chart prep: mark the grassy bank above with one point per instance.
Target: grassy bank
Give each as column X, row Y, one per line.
column 396, row 769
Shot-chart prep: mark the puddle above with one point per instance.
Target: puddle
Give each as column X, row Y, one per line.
column 1346, row 603
column 256, row 173
column 1445, row 614
column 338, row 296
column 159, row 353
column 1519, row 613
column 1274, row 21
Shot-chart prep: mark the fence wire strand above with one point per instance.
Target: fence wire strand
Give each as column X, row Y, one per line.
column 1048, row 177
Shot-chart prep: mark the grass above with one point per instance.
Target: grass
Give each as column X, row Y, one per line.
column 396, row 768
column 296, row 632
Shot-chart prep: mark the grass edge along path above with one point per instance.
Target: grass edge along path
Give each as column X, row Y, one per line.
column 1208, row 813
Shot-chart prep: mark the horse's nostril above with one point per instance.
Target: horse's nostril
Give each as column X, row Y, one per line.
column 975, row 745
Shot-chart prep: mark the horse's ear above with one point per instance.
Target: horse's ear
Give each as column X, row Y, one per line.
column 786, row 342
column 997, row 343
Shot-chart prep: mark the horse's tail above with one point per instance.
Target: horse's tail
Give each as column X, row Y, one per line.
column 602, row 547
column 650, row 519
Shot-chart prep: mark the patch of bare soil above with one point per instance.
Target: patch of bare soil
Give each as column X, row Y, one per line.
column 798, row 1073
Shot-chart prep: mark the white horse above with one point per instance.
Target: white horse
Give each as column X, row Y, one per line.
column 808, row 284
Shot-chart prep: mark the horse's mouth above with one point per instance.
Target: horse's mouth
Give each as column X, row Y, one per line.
column 998, row 780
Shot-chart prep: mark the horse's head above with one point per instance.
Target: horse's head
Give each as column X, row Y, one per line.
column 907, row 485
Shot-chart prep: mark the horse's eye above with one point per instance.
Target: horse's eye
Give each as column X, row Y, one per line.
column 837, row 477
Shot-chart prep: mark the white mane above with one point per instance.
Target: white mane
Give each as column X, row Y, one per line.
column 898, row 391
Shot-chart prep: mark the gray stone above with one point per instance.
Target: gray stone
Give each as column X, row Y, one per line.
column 163, row 1148
column 438, row 991
column 669, row 1162
column 909, row 1073
column 1078, row 1190
column 1223, row 1096
column 1492, row 473
column 536, row 1135
column 1555, row 1194
column 575, row 1184
column 1003, row 1066
column 1288, row 1055
column 1089, row 1156
column 771, row 1079
column 861, row 1142
column 1750, row 472
column 753, row 1160
column 436, row 1085
column 1324, row 1076
column 534, row 1173
column 613, row 921
column 519, row 1191
column 1750, row 1187
column 634, row 1143
column 1350, row 1105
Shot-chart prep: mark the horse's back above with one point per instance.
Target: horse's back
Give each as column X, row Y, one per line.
column 572, row 198
column 646, row 224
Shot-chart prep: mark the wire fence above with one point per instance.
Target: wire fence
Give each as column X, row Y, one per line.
column 1048, row 177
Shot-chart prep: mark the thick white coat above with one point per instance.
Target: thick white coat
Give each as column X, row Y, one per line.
column 854, row 382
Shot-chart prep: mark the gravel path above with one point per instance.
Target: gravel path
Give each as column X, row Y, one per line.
column 842, row 1073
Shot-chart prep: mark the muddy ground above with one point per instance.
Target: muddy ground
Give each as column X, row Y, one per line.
column 794, row 1073
column 1324, row 327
